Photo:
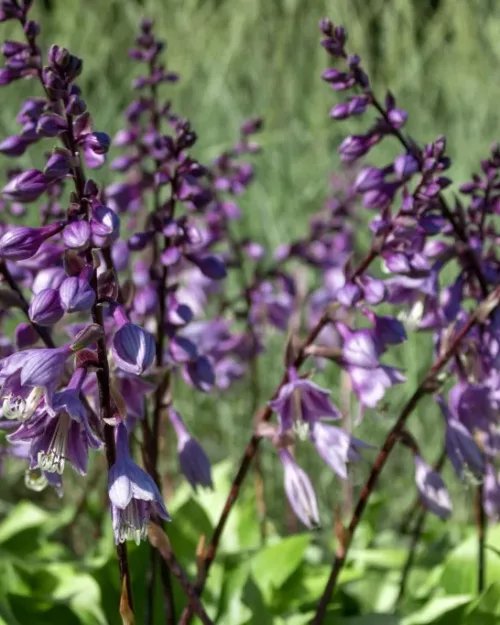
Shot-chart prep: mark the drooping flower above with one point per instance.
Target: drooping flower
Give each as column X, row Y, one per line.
column 26, row 377
column 22, row 242
column 302, row 400
column 433, row 492
column 193, row 461
column 133, row 347
column 335, row 446
column 66, row 436
column 133, row 494
column 300, row 491
column 461, row 448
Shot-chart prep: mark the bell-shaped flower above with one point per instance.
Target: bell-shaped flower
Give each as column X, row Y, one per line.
column 66, row 436
column 461, row 448
column 21, row 242
column 45, row 308
column 433, row 493
column 133, row 494
column 300, row 491
column 26, row 187
column 302, row 400
column 193, row 461
column 336, row 447
column 105, row 226
column 133, row 347
column 76, row 294
column 370, row 385
column 77, row 234
column 38, row 371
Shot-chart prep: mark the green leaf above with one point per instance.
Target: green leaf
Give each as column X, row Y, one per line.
column 379, row 558
column 460, row 567
column 440, row 611
column 486, row 608
column 273, row 565
column 371, row 619
column 23, row 517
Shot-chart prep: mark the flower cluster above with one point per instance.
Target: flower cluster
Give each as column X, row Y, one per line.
column 123, row 288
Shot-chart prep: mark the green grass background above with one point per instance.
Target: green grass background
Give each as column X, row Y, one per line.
column 240, row 58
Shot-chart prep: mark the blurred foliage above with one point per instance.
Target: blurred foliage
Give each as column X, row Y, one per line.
column 239, row 58
column 44, row 582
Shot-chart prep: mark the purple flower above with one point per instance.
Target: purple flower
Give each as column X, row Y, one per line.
column 26, row 187
column 133, row 494
column 302, row 400
column 38, row 369
column 462, row 451
column 370, row 385
column 192, row 459
column 65, row 436
column 360, row 348
column 21, row 242
column 76, row 294
column 76, row 235
column 299, row 491
column 335, row 446
column 133, row 347
column 45, row 308
column 433, row 493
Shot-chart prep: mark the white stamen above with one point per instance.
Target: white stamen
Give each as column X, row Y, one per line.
column 54, row 458
column 35, row 480
column 20, row 409
column 130, row 526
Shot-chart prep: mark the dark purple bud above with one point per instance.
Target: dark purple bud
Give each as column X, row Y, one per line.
column 76, row 235
column 405, row 165
column 326, row 26
column 139, row 240
column 25, row 335
column 182, row 349
column 58, row 166
column 51, row 125
column 105, row 225
column 251, row 126
column 11, row 48
column 26, row 187
column 369, row 178
column 13, row 146
column 210, row 266
column 21, row 242
column 45, row 308
column 397, row 117
column 76, row 106
column 353, row 147
column 340, row 81
column 200, row 374
column 192, row 459
column 76, row 294
column 133, row 347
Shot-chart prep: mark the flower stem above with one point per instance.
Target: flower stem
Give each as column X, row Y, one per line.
column 427, row 385
column 481, row 525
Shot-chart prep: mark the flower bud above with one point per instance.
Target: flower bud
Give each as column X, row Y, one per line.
column 58, row 166
column 105, row 225
column 13, row 146
column 192, row 459
column 51, row 125
column 133, row 347
column 45, row 308
column 21, row 242
column 25, row 187
column 76, row 235
column 76, row 294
